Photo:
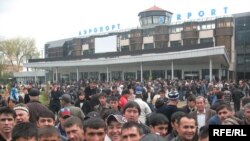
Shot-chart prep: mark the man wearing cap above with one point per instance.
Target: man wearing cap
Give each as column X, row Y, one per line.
column 63, row 114
column 65, row 100
column 34, row 105
column 22, row 113
column 173, row 97
column 114, row 127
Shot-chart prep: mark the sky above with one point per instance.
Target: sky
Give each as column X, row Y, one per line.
column 49, row 20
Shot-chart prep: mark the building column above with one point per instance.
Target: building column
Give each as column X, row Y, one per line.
column 172, row 70
column 210, row 70
column 220, row 73
column 166, row 74
column 141, row 73
column 182, row 74
column 56, row 74
column 136, row 75
column 200, row 74
column 227, row 74
column 77, row 74
column 123, row 76
column 35, row 75
column 107, row 73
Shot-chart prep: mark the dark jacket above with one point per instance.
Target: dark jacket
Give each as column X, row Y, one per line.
column 86, row 107
column 54, row 104
column 35, row 107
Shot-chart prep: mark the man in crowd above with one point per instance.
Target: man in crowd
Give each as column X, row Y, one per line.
column 114, row 127
column 25, row 131
column 46, row 118
column 22, row 113
column 7, row 123
column 158, row 124
column 74, row 129
column 94, row 129
column 132, row 131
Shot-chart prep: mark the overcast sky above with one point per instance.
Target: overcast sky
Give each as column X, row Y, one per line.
column 48, row 20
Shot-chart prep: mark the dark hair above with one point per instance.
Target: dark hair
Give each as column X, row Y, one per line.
column 204, row 132
column 24, row 130
column 73, row 120
column 191, row 98
column 161, row 91
column 187, row 116
column 222, row 106
column 219, row 94
column 177, row 115
column 131, row 124
column 125, row 91
column 158, row 119
column 245, row 100
column 48, row 131
column 113, row 98
column 7, row 110
column 131, row 104
column 46, row 114
column 94, row 123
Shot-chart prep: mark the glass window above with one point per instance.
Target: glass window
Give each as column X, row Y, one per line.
column 156, row 19
column 149, row 20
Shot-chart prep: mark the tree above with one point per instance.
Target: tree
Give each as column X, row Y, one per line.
column 18, row 50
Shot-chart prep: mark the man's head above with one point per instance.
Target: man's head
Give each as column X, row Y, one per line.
column 94, row 129
column 113, row 102
column 81, row 94
column 131, row 111
column 203, row 134
column 126, row 93
column 191, row 101
column 174, row 119
column 73, row 127
column 131, row 131
column 114, row 126
column 22, row 113
column 7, row 120
column 247, row 112
column 25, row 131
column 34, row 94
column 65, row 99
column 102, row 99
column 63, row 114
column 48, row 133
column 200, row 103
column 224, row 111
column 158, row 124
column 187, row 127
column 45, row 118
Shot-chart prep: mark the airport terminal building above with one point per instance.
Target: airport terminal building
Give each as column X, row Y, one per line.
column 212, row 48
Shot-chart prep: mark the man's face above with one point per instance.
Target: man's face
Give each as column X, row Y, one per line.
column 115, row 131
column 22, row 116
column 200, row 104
column 81, row 97
column 113, row 104
column 74, row 133
column 44, row 121
column 102, row 100
column 7, row 122
column 186, row 129
column 95, row 134
column 161, row 129
column 131, row 114
column 247, row 114
column 191, row 104
column 224, row 113
column 131, row 134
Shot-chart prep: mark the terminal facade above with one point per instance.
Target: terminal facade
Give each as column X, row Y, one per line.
column 213, row 48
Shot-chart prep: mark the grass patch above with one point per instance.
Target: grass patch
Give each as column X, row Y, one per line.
column 43, row 99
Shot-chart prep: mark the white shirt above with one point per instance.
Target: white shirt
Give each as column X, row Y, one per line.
column 145, row 109
column 201, row 119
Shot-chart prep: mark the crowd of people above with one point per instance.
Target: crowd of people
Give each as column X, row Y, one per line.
column 157, row 110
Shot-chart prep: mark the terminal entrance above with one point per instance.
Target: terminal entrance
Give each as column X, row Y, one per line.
column 191, row 75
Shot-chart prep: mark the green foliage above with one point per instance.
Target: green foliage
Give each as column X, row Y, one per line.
column 18, row 50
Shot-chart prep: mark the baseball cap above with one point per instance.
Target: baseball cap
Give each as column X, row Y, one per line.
column 118, row 118
column 92, row 114
column 66, row 98
column 65, row 112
